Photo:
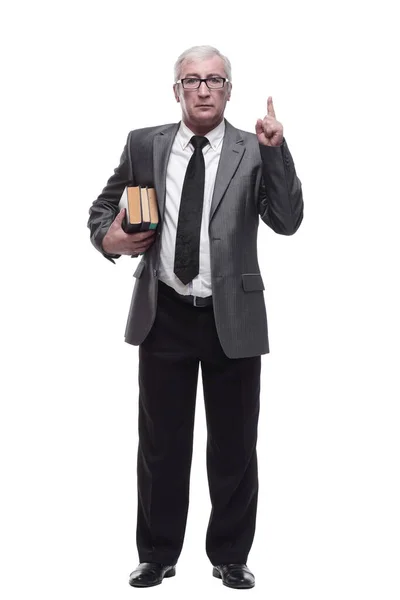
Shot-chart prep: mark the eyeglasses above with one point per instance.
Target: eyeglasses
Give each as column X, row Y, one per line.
column 193, row 83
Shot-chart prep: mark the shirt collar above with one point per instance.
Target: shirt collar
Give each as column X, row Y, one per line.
column 215, row 136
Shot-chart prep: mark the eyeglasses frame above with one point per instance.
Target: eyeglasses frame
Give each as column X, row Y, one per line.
column 225, row 80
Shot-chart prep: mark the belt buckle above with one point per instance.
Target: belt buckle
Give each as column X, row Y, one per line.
column 194, row 302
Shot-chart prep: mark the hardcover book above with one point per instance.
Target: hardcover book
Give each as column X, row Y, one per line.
column 141, row 212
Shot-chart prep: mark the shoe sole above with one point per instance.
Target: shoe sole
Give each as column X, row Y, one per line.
column 169, row 573
column 217, row 574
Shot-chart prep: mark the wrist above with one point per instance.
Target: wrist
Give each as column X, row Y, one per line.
column 105, row 246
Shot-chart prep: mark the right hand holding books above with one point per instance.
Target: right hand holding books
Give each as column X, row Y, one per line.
column 116, row 241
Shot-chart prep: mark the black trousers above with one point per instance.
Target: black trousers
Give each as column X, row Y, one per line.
column 182, row 336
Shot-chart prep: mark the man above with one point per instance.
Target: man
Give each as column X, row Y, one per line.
column 198, row 299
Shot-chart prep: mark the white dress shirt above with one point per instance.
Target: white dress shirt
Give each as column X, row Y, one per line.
column 181, row 153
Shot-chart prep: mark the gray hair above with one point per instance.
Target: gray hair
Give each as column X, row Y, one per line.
column 200, row 52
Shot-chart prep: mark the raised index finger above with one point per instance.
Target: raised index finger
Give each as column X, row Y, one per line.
column 270, row 107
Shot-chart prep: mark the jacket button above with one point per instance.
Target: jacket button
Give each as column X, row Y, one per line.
column 155, row 272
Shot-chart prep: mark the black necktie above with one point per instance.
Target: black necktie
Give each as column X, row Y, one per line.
column 186, row 265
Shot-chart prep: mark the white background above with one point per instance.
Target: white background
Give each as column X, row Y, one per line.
column 77, row 78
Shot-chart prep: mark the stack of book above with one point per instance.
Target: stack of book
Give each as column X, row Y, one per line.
column 141, row 212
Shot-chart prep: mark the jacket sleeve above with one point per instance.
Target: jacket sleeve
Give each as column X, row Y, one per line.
column 105, row 208
column 280, row 202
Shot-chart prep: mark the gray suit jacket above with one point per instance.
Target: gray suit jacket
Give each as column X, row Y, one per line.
column 252, row 181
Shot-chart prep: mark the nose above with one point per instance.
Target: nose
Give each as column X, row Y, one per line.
column 203, row 89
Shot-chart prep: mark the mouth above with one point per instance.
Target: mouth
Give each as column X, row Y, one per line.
column 204, row 105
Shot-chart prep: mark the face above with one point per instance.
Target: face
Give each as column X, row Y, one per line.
column 202, row 109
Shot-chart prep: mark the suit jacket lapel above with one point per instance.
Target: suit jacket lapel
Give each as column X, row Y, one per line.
column 232, row 152
column 162, row 145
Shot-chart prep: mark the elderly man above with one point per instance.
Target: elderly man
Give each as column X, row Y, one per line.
column 198, row 299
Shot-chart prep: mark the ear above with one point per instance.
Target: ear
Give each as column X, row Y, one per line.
column 175, row 88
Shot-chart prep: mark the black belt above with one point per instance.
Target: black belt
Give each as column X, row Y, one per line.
column 197, row 301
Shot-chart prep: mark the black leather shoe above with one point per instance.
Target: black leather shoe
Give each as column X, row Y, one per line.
column 235, row 575
column 150, row 573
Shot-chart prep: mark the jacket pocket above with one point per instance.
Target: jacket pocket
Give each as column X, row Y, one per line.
column 252, row 282
column 139, row 269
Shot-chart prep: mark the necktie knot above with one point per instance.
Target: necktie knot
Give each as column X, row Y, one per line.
column 199, row 141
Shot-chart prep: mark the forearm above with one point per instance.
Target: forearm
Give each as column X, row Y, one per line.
column 281, row 199
column 105, row 208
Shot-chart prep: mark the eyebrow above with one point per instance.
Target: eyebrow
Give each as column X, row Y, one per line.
column 197, row 75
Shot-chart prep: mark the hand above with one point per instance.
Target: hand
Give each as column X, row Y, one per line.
column 269, row 131
column 117, row 241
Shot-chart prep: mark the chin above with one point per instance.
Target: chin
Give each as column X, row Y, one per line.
column 206, row 116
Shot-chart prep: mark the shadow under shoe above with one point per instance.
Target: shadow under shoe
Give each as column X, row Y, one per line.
column 150, row 573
